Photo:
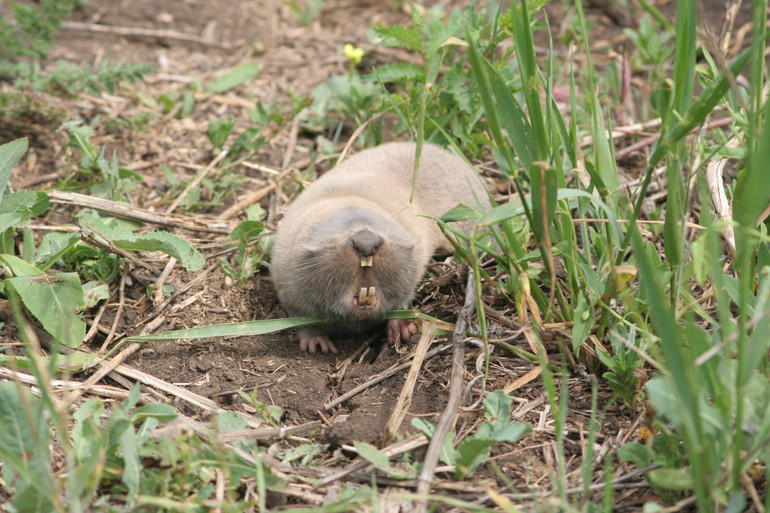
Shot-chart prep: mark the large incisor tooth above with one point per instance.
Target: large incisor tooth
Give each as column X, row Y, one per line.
column 362, row 296
column 366, row 261
column 372, row 293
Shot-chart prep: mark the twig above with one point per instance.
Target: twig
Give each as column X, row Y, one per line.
column 118, row 312
column 615, row 483
column 293, row 132
column 100, row 390
column 728, row 23
column 195, row 181
column 157, row 291
column 341, row 368
column 176, row 294
column 246, row 201
column 381, row 377
column 356, row 134
column 125, row 211
column 425, row 479
column 95, row 324
column 622, row 131
column 89, row 238
column 688, row 224
column 104, row 369
column 143, row 32
column 268, row 433
column 722, row 206
column 623, row 153
column 37, row 180
column 405, row 399
column 179, row 392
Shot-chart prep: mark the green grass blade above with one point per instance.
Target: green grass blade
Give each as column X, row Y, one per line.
column 482, row 81
column 235, row 329
column 695, row 115
column 702, row 107
column 530, row 76
column 262, row 327
column 681, row 368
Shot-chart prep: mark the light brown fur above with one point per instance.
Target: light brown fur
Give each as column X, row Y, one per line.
column 361, row 207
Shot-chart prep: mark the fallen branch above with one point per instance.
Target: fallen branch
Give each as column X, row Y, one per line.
column 405, row 399
column 143, row 32
column 425, row 479
column 125, row 211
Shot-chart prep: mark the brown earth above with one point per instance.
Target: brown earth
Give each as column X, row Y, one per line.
column 293, row 60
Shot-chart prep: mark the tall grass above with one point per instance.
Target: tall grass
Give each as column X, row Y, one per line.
column 713, row 386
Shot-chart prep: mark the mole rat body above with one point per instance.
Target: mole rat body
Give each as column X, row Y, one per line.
column 351, row 246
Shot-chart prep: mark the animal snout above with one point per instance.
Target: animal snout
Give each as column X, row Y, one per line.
column 366, row 243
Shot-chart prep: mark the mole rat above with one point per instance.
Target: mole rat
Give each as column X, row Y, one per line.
column 352, row 246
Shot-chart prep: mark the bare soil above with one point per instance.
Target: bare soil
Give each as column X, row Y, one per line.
column 293, row 60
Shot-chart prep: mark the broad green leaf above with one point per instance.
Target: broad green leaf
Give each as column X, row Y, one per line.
column 233, row 78
column 378, row 458
column 636, row 453
column 54, row 301
column 497, row 407
column 18, row 207
column 9, row 221
column 71, row 363
column 162, row 412
column 132, row 466
column 511, row 432
column 25, row 202
column 24, row 449
column 671, row 478
column 124, row 238
column 10, row 153
column 246, row 230
column 93, row 292
column 228, row 421
column 583, row 322
column 19, row 267
column 87, row 427
column 472, row 452
column 448, row 452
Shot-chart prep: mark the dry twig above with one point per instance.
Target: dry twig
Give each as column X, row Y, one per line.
column 143, row 32
column 125, row 211
column 455, row 393
column 405, row 399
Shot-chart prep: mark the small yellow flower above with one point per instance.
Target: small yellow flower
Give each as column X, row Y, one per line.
column 354, row 54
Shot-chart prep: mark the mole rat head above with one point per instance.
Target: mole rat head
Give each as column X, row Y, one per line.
column 358, row 265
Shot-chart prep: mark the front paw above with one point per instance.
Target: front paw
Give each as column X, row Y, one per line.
column 310, row 339
column 399, row 329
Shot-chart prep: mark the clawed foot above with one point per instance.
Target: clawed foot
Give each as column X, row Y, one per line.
column 399, row 329
column 310, row 339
